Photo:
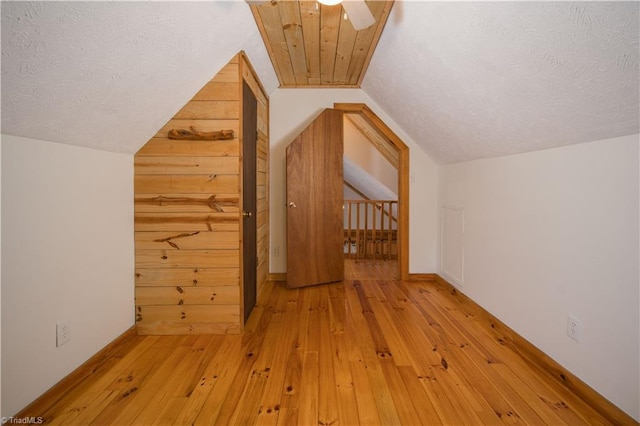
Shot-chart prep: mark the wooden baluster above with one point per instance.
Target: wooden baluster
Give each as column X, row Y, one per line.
column 382, row 215
column 349, row 254
column 366, row 227
column 358, row 251
column 389, row 229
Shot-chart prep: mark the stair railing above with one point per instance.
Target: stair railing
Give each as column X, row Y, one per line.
column 370, row 229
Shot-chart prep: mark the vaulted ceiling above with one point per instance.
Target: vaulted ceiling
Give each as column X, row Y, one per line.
column 464, row 80
column 311, row 44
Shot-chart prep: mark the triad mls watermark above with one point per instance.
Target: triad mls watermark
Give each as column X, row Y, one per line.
column 22, row 420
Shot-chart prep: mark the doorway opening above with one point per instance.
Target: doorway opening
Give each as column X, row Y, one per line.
column 376, row 230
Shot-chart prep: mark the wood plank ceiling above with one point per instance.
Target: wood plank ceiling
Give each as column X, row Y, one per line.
column 313, row 45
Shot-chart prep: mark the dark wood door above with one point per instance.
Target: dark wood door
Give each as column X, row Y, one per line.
column 249, row 195
column 314, row 200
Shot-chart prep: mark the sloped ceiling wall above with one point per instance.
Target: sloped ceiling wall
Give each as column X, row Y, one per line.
column 365, row 182
column 465, row 80
column 469, row 80
column 108, row 75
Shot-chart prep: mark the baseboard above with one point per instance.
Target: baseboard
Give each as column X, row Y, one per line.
column 45, row 401
column 279, row 276
column 282, row 276
column 539, row 360
column 423, row 277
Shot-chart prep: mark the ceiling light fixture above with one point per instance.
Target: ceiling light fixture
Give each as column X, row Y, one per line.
column 330, row 2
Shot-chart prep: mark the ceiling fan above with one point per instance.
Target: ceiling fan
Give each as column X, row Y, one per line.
column 357, row 11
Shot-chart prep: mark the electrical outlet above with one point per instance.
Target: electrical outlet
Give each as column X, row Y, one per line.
column 574, row 328
column 63, row 333
column 275, row 251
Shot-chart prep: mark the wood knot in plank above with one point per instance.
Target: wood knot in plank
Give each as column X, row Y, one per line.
column 169, row 241
column 130, row 391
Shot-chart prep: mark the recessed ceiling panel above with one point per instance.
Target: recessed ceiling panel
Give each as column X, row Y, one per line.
column 311, row 44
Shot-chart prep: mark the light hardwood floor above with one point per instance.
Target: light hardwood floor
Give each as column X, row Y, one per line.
column 367, row 350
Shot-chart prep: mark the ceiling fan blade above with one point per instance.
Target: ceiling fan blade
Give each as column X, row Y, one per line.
column 359, row 14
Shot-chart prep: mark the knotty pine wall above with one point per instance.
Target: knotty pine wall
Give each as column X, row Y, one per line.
column 188, row 233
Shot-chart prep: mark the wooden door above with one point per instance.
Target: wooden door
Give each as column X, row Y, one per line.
column 249, row 195
column 314, row 200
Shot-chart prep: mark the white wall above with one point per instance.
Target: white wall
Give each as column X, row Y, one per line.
column 553, row 233
column 291, row 111
column 67, row 245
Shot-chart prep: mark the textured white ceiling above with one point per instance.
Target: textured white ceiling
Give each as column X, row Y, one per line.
column 465, row 80
column 108, row 75
column 469, row 80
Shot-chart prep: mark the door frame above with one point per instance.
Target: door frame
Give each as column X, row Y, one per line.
column 403, row 177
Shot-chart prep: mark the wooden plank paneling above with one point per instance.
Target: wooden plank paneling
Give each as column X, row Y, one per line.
column 188, row 295
column 312, row 45
column 186, row 222
column 164, row 147
column 191, row 203
column 271, row 28
column 196, row 240
column 218, row 91
column 188, row 313
column 344, row 51
column 187, row 258
column 329, row 28
column 187, row 213
column 310, row 16
column 169, row 327
column 185, row 277
column 186, row 165
column 209, row 110
column 292, row 27
column 182, row 184
column 229, row 73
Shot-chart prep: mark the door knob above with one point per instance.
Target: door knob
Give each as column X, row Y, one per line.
column 292, row 205
column 247, row 214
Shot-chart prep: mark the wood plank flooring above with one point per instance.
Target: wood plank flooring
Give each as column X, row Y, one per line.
column 364, row 351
